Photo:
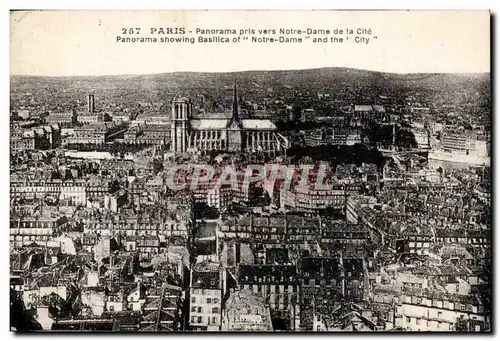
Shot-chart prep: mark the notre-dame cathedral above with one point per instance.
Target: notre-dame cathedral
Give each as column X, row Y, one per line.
column 231, row 135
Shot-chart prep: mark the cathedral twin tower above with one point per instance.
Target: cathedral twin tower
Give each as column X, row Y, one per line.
column 181, row 113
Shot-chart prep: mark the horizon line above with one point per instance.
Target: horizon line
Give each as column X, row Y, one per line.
column 259, row 70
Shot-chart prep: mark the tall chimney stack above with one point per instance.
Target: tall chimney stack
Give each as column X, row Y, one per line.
column 91, row 104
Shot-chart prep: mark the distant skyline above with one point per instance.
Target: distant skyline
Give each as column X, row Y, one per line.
column 82, row 43
column 258, row 70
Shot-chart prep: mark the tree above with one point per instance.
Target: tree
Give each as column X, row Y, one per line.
column 405, row 139
column 356, row 154
column 157, row 166
column 440, row 171
column 20, row 318
column 203, row 210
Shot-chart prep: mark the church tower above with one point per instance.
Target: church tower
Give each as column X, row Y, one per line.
column 181, row 112
column 235, row 127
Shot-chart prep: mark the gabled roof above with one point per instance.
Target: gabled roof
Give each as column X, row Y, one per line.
column 220, row 124
column 254, row 124
column 208, row 124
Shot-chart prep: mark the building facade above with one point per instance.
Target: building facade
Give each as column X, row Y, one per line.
column 246, row 310
column 64, row 119
column 205, row 291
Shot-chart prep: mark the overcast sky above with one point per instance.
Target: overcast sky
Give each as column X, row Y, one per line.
column 66, row 43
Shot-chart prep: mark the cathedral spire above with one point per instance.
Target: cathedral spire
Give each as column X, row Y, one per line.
column 235, row 104
column 235, row 127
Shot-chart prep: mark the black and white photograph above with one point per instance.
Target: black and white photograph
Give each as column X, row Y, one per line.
column 250, row 171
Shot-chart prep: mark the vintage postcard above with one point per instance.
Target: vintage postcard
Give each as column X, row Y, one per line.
column 250, row 171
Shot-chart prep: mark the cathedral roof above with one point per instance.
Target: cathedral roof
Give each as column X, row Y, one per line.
column 221, row 124
column 254, row 124
column 208, row 124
